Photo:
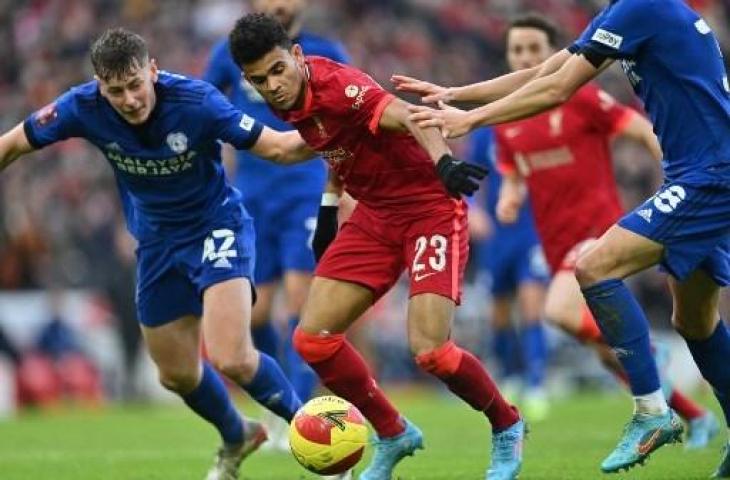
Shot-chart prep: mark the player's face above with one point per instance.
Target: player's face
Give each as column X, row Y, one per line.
column 133, row 97
column 527, row 48
column 287, row 12
column 279, row 77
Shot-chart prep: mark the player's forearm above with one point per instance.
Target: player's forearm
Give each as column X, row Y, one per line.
column 513, row 190
column 535, row 97
column 13, row 144
column 287, row 148
column 494, row 89
column 431, row 140
column 641, row 130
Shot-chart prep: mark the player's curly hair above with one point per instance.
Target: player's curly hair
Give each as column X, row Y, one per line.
column 254, row 36
column 117, row 53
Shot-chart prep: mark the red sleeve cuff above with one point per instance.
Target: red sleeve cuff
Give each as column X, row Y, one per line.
column 378, row 112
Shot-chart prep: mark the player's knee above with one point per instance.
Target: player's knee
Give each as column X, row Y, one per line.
column 589, row 269
column 178, row 380
column 240, row 367
column 693, row 327
column 442, row 361
column 315, row 348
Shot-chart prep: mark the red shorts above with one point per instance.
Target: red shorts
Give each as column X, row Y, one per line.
column 571, row 258
column 373, row 251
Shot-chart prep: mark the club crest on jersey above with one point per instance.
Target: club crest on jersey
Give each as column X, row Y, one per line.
column 608, row 39
column 178, row 142
column 351, row 91
column 46, row 114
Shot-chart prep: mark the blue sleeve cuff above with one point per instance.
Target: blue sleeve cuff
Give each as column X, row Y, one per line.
column 30, row 134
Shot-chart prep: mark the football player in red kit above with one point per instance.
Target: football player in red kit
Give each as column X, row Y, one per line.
column 409, row 216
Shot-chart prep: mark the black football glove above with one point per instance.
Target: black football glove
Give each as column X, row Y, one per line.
column 459, row 178
column 326, row 230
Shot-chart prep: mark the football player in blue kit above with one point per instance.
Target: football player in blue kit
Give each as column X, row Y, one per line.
column 674, row 62
column 161, row 133
column 282, row 200
column 517, row 273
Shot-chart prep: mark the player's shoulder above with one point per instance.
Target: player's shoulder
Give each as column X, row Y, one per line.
column 314, row 44
column 180, row 89
column 84, row 96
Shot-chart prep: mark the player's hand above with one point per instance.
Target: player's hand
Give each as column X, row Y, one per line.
column 452, row 121
column 429, row 92
column 459, row 178
column 507, row 210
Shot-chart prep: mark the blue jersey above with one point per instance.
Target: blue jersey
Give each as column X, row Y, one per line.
column 256, row 177
column 482, row 152
column 168, row 170
column 674, row 63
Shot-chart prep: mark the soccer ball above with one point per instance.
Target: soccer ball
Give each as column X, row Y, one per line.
column 328, row 435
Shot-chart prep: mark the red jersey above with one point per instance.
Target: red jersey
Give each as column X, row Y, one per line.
column 389, row 172
column 564, row 155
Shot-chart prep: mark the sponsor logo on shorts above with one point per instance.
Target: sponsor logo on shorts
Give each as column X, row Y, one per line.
column 608, row 39
column 645, row 214
column 420, row 276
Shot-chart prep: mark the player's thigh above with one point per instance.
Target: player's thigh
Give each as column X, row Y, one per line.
column 261, row 312
column 617, row 254
column 429, row 321
column 695, row 305
column 227, row 320
column 333, row 305
column 436, row 250
column 175, row 349
column 564, row 301
column 220, row 264
column 689, row 221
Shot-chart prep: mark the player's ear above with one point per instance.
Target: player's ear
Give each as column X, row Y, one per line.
column 298, row 54
column 154, row 71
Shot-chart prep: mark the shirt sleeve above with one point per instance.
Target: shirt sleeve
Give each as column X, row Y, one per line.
column 602, row 111
column 229, row 124
column 623, row 29
column 586, row 35
column 356, row 95
column 53, row 123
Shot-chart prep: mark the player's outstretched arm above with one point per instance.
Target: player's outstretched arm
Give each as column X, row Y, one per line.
column 534, row 97
column 13, row 144
column 481, row 92
column 282, row 147
column 459, row 178
column 641, row 130
column 512, row 195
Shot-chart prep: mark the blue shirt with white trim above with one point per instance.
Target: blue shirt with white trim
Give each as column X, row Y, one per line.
column 168, row 170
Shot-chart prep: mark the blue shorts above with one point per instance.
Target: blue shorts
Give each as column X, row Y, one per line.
column 692, row 221
column 284, row 231
column 171, row 278
column 512, row 260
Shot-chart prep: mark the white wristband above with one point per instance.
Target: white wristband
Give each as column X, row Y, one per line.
column 330, row 200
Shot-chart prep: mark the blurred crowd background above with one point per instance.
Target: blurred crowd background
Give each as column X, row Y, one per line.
column 61, row 229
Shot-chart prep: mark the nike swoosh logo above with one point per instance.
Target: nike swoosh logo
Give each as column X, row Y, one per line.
column 418, row 277
column 645, row 447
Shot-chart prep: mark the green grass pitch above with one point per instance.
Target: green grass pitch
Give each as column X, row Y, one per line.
column 167, row 442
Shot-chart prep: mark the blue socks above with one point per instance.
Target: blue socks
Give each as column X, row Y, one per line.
column 211, row 401
column 626, row 330
column 534, row 353
column 711, row 356
column 266, row 339
column 271, row 389
column 505, row 348
column 301, row 375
